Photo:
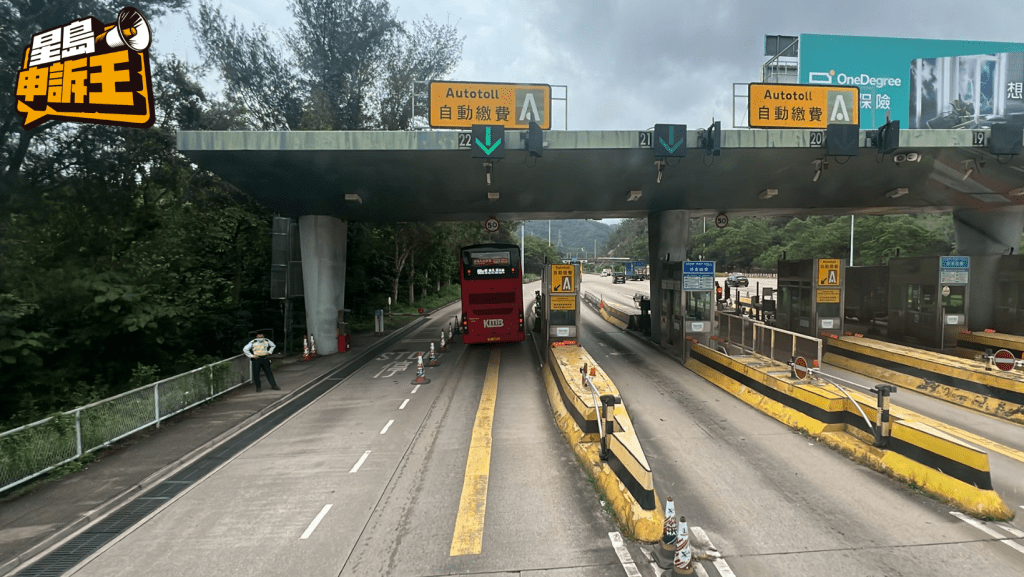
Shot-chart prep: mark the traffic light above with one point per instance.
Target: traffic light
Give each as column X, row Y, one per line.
column 712, row 139
column 888, row 138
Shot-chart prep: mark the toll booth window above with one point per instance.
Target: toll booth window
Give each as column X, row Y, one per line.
column 913, row 304
column 1007, row 295
column 928, row 298
column 828, row 310
column 698, row 305
column 562, row 318
column 898, row 297
column 954, row 304
column 785, row 295
column 804, row 305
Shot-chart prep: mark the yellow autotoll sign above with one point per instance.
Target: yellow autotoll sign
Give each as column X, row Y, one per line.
column 563, row 303
column 563, row 278
column 802, row 105
column 463, row 104
column 828, row 272
column 828, row 296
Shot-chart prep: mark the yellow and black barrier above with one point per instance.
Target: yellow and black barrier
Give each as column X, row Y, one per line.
column 625, row 478
column 615, row 314
column 938, row 463
column 974, row 345
column 973, row 384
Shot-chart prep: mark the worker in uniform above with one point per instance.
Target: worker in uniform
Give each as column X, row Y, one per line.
column 259, row 350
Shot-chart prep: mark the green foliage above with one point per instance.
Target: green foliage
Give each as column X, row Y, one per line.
column 628, row 240
column 537, row 253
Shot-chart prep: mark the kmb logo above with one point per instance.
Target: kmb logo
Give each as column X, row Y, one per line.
column 86, row 71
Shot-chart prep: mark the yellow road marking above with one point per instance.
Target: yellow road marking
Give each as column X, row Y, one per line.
column 469, row 525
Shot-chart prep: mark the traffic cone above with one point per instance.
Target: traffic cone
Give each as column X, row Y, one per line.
column 683, row 562
column 433, row 357
column 312, row 347
column 421, row 375
column 665, row 551
column 305, row 349
column 450, row 336
column 444, row 343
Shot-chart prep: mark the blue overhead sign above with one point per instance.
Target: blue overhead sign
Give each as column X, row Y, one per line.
column 955, row 262
column 921, row 83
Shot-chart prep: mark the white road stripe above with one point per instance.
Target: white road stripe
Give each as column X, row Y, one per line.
column 404, row 403
column 984, row 527
column 723, row 568
column 624, row 557
column 1012, row 530
column 414, row 389
column 359, row 463
column 385, row 429
column 312, row 526
column 699, row 570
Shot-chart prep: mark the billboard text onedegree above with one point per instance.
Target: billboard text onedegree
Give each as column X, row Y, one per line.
column 463, row 104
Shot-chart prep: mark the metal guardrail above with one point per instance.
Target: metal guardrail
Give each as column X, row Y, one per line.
column 757, row 345
column 36, row 449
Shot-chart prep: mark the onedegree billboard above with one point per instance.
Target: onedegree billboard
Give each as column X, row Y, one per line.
column 921, row 83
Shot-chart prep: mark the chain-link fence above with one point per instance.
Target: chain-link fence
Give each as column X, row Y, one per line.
column 33, row 450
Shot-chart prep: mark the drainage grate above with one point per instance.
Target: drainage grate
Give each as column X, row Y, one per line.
column 75, row 550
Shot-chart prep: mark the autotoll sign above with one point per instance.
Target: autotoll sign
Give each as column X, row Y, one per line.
column 802, row 106
column 463, row 104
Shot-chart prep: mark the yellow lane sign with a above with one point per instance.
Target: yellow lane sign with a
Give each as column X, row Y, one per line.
column 802, row 105
column 563, row 278
column 828, row 272
column 463, row 104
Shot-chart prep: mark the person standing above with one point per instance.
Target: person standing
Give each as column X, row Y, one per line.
column 259, row 350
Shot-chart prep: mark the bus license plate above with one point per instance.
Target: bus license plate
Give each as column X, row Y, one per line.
column 493, row 323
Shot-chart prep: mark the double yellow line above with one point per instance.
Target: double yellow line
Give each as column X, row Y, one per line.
column 469, row 525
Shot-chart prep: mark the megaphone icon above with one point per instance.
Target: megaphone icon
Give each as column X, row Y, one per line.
column 131, row 30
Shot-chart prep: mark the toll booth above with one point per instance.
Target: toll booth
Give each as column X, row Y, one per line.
column 1009, row 300
column 559, row 305
column 928, row 299
column 810, row 296
column 699, row 300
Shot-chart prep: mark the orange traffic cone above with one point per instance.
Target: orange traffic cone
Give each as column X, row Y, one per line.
column 305, row 349
column 433, row 357
column 421, row 375
column 665, row 551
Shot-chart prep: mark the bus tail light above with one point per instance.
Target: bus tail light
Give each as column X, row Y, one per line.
column 465, row 324
column 520, row 322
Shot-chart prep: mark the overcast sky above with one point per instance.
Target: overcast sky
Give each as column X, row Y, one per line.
column 629, row 64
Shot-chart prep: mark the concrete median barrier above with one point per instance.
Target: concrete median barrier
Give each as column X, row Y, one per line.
column 937, row 463
column 965, row 382
column 625, row 479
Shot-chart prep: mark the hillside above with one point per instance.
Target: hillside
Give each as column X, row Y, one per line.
column 572, row 237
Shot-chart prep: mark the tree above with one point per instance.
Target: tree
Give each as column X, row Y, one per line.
column 538, row 252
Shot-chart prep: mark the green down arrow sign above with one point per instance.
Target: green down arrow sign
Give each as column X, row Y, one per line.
column 669, row 140
column 488, row 141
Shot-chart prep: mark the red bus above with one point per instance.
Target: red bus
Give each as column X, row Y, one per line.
column 492, row 293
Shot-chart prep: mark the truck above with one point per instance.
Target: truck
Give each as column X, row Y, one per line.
column 637, row 270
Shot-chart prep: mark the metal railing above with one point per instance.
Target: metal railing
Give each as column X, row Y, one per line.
column 763, row 345
column 36, row 449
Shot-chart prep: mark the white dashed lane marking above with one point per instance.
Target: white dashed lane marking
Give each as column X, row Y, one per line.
column 404, row 403
column 385, row 429
column 360, row 462
column 316, row 521
column 987, row 528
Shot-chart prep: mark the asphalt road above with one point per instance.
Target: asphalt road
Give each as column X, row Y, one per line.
column 371, row 479
column 383, row 477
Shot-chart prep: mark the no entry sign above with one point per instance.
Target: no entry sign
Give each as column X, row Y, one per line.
column 1004, row 360
column 800, row 368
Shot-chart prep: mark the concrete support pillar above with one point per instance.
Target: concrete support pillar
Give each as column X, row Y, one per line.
column 324, row 244
column 982, row 233
column 668, row 235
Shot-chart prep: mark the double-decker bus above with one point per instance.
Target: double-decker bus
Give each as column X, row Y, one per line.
column 492, row 293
